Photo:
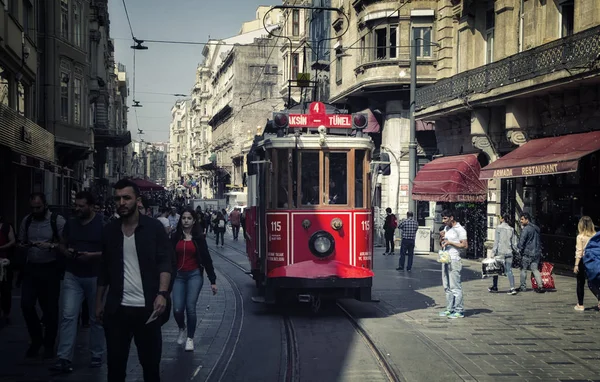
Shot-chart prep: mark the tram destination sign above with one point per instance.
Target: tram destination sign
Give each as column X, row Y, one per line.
column 317, row 117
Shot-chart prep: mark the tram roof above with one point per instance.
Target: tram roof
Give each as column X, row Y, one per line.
column 312, row 141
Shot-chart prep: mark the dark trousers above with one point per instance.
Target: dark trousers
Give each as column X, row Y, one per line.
column 41, row 283
column 6, row 292
column 119, row 328
column 220, row 233
column 85, row 313
column 581, row 280
column 407, row 248
column 236, row 231
column 389, row 241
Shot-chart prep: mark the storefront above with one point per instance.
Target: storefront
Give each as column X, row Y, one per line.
column 453, row 182
column 556, row 180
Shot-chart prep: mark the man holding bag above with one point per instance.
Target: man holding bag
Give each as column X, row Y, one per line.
column 505, row 244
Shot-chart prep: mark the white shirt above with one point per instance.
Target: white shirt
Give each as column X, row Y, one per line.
column 164, row 221
column 455, row 234
column 173, row 220
column 133, row 289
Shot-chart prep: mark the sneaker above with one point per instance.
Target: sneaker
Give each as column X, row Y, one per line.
column 512, row 291
column 493, row 289
column 189, row 344
column 399, row 269
column 62, row 366
column 540, row 290
column 445, row 313
column 182, row 336
column 580, row 308
column 96, row 362
column 523, row 289
column 408, row 270
column 457, row 315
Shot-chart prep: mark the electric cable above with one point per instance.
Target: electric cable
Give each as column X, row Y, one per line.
column 128, row 20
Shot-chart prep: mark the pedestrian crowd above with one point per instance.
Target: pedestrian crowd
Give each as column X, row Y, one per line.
column 121, row 274
column 507, row 247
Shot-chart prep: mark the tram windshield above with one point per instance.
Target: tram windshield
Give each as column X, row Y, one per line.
column 310, row 194
column 338, row 178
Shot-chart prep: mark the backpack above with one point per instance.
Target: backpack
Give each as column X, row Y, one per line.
column 53, row 218
column 394, row 222
column 221, row 223
column 591, row 260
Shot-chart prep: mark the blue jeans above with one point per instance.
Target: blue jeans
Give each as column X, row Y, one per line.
column 74, row 290
column 406, row 248
column 509, row 273
column 453, row 286
column 532, row 264
column 186, row 291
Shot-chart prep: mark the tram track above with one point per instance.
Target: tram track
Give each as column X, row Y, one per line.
column 292, row 370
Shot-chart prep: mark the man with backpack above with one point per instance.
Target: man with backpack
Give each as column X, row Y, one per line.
column 39, row 236
column 389, row 227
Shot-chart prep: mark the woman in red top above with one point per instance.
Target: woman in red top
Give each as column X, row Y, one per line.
column 192, row 259
column 7, row 245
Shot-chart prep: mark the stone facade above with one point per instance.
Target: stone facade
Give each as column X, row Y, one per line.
column 507, row 85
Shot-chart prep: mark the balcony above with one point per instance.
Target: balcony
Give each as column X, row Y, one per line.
column 579, row 51
column 111, row 138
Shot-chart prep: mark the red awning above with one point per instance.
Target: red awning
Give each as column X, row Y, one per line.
column 450, row 179
column 544, row 156
column 146, row 185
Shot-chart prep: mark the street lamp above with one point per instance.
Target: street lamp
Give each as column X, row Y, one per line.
column 412, row 145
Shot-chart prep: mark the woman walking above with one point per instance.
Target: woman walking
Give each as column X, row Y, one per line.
column 220, row 227
column 585, row 230
column 504, row 247
column 192, row 259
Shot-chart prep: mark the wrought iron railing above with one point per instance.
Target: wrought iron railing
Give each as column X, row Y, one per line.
column 580, row 50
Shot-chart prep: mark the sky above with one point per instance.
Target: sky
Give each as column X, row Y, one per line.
column 169, row 68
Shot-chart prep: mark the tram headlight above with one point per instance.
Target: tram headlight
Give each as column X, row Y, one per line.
column 321, row 244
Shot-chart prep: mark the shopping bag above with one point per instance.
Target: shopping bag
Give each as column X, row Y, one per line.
column 443, row 257
column 492, row 267
column 547, row 279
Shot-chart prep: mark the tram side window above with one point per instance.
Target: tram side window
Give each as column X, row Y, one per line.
column 310, row 178
column 338, row 175
column 282, row 179
column 359, row 171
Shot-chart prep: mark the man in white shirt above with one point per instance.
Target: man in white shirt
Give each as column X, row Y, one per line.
column 455, row 243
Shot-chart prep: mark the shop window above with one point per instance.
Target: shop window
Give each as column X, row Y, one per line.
column 422, row 36
column 64, row 97
column 296, row 22
column 338, row 178
column 310, row 194
column 567, row 18
column 64, row 19
column 359, row 178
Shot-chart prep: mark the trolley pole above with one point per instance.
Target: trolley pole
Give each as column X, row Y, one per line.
column 412, row 145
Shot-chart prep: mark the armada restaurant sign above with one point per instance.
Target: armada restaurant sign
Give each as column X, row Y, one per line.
column 535, row 170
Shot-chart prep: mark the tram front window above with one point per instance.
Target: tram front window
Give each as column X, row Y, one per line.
column 359, row 178
column 338, row 175
column 283, row 179
column 310, row 178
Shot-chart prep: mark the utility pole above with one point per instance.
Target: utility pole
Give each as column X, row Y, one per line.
column 412, row 145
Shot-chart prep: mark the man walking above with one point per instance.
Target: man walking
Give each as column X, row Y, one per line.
column 389, row 227
column 137, row 266
column 234, row 219
column 82, row 247
column 39, row 237
column 531, row 252
column 455, row 242
column 409, row 228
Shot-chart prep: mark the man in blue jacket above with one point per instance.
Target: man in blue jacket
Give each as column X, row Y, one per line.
column 531, row 252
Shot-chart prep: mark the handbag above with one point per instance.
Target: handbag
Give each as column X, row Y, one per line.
column 443, row 257
column 492, row 267
column 547, row 279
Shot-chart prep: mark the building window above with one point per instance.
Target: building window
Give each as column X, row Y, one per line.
column 490, row 24
column 295, row 65
column 4, row 87
column 567, row 18
column 338, row 69
column 422, row 39
column 385, row 42
column 77, row 38
column 77, row 101
column 21, row 99
column 64, row 96
column 64, row 19
column 296, row 22
column 27, row 17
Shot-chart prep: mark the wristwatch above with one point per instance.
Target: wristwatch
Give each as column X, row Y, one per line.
column 165, row 294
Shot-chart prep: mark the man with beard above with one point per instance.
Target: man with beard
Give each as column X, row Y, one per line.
column 39, row 237
column 137, row 267
column 531, row 252
column 82, row 246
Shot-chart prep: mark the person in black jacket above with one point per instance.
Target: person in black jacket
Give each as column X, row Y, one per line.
column 192, row 259
column 137, row 265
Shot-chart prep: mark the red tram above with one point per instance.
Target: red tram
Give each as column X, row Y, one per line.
column 309, row 223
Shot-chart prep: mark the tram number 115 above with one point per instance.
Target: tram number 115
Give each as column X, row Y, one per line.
column 366, row 225
column 275, row 226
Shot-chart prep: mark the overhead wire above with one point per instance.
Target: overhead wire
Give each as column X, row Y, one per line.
column 128, row 20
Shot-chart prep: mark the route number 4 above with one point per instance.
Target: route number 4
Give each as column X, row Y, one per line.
column 275, row 226
column 366, row 225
